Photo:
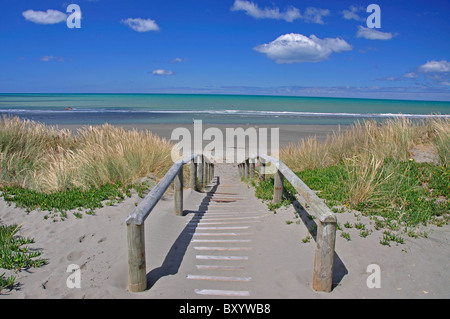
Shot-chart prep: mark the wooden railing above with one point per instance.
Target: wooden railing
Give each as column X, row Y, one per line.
column 326, row 228
column 201, row 172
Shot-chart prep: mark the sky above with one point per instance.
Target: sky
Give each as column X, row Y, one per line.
column 256, row 47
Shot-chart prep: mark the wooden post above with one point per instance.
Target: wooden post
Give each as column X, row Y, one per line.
column 200, row 172
column 324, row 258
column 246, row 169
column 262, row 170
column 206, row 173
column 137, row 276
column 252, row 168
column 193, row 175
column 278, row 187
column 211, row 171
column 178, row 195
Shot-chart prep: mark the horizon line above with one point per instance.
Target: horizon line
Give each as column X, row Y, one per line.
column 231, row 94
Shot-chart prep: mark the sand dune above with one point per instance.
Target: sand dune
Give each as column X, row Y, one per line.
column 416, row 269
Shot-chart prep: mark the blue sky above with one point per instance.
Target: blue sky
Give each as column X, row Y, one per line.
column 288, row 47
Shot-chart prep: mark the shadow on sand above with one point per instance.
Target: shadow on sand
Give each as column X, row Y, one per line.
column 172, row 262
column 339, row 269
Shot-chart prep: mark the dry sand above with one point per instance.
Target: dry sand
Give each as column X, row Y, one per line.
column 283, row 263
column 282, row 267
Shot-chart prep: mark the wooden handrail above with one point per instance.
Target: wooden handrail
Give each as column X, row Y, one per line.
column 137, row 275
column 326, row 230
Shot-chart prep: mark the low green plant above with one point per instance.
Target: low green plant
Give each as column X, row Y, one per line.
column 62, row 201
column 15, row 255
column 264, row 191
column 345, row 235
column 389, row 237
column 415, row 192
column 6, row 282
column 364, row 233
column 78, row 215
column 306, row 240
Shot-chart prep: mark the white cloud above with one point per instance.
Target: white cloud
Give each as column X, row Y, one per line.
column 352, row 13
column 254, row 11
column 315, row 15
column 48, row 58
column 48, row 17
column 162, row 72
column 373, row 34
column 389, row 78
column 435, row 67
column 410, row 75
column 297, row 48
column 141, row 25
column 437, row 72
column 430, row 74
column 176, row 60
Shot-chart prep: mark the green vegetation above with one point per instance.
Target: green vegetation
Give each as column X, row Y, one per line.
column 45, row 159
column 411, row 194
column 45, row 168
column 264, row 191
column 368, row 168
column 63, row 201
column 408, row 192
column 306, row 240
column 345, row 235
column 52, row 170
column 14, row 255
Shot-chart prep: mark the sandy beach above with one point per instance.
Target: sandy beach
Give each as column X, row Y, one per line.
column 288, row 133
column 282, row 267
column 283, row 264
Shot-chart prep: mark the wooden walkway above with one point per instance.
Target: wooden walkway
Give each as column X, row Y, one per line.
column 222, row 244
column 217, row 246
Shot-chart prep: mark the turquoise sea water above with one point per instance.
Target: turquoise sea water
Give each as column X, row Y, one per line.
column 212, row 109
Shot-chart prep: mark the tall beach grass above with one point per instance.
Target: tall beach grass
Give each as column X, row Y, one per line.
column 376, row 171
column 391, row 138
column 47, row 159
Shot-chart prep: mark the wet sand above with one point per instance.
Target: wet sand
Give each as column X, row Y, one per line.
column 287, row 133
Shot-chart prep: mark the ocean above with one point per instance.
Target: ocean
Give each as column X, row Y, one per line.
column 93, row 109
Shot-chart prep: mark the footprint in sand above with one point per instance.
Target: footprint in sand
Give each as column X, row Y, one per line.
column 74, row 255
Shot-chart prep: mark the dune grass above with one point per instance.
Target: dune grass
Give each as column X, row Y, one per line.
column 42, row 158
column 369, row 168
column 42, row 167
column 49, row 168
column 392, row 138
